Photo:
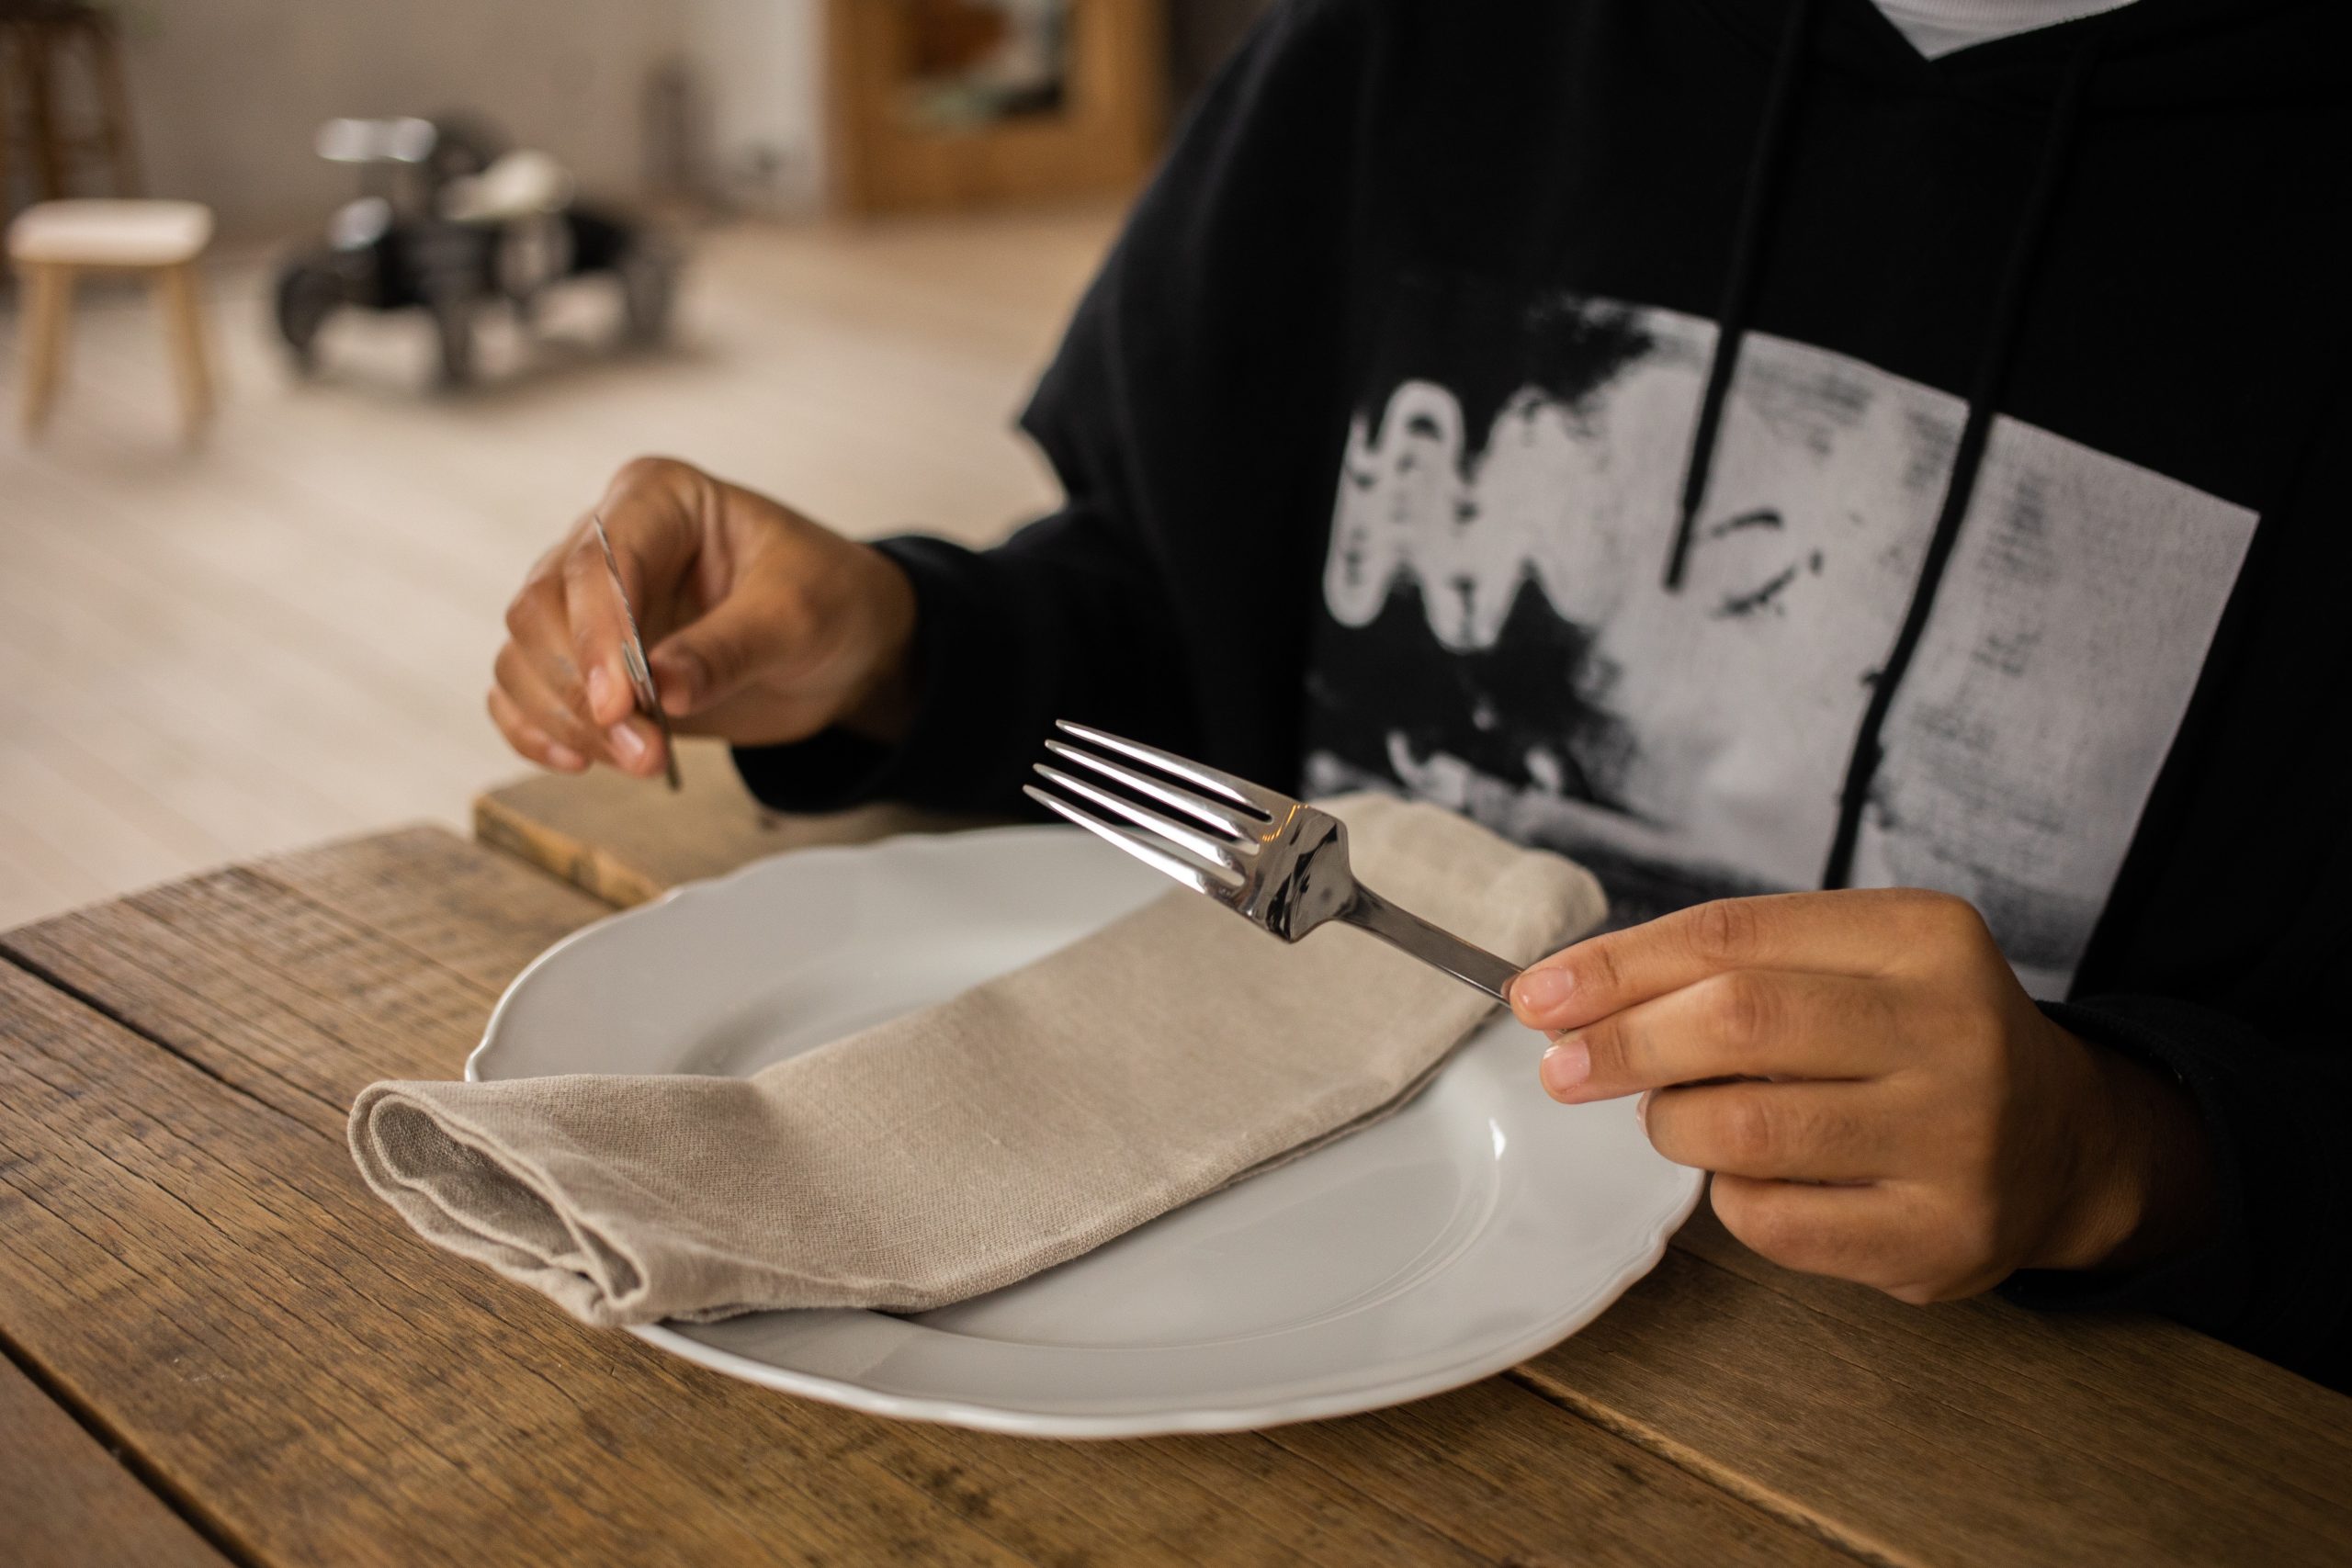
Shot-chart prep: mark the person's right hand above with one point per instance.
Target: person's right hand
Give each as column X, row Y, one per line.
column 760, row 625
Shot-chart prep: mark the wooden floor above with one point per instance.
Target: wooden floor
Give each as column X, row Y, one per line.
column 285, row 633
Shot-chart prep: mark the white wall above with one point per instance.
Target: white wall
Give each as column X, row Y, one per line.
column 227, row 93
column 759, row 65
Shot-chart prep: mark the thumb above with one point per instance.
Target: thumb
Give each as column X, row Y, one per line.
column 707, row 660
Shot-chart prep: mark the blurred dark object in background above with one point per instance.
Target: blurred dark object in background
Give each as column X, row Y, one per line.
column 63, row 106
column 450, row 221
column 1201, row 33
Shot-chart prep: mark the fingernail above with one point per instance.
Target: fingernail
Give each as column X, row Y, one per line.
column 628, row 744
column 600, row 688
column 1541, row 991
column 1642, row 1109
column 1565, row 1066
column 566, row 759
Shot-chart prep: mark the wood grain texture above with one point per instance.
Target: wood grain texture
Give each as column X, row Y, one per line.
column 487, row 917
column 2223, row 1423
column 200, row 1272
column 67, row 1502
column 1969, row 1433
column 627, row 840
column 1104, row 138
column 189, row 1251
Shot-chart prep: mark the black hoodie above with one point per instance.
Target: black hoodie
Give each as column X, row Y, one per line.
column 1708, row 439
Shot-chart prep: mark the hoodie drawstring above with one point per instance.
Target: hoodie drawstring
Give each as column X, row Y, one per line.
column 1739, row 278
column 1984, row 394
column 1984, row 388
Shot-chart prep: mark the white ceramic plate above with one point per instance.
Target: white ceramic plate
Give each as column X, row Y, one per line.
column 1471, row 1229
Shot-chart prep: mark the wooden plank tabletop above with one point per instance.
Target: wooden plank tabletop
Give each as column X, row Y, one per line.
column 66, row 1502
column 192, row 1277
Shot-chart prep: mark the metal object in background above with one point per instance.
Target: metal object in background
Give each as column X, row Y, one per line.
column 1280, row 864
column 451, row 221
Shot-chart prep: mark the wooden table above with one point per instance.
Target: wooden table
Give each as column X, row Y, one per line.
column 219, row 1347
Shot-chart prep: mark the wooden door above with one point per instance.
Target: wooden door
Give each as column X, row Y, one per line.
column 1096, row 131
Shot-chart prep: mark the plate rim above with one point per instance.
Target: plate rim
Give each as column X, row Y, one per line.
column 1014, row 1420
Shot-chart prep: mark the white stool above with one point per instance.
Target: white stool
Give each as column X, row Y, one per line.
column 52, row 243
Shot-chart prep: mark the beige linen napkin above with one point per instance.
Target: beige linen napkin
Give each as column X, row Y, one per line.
column 970, row 1145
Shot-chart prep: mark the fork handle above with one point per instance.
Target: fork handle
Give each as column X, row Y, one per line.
column 1439, row 949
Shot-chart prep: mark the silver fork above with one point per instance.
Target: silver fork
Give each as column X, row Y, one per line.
column 1280, row 864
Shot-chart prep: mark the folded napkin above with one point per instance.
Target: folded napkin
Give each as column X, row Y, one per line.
column 970, row 1145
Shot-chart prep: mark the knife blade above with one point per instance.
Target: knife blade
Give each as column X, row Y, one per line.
column 640, row 673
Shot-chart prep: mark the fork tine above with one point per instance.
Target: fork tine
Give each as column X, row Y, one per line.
column 1143, row 848
column 1239, row 791
column 1225, row 818
column 1216, row 851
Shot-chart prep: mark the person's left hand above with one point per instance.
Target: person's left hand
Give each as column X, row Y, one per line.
column 1876, row 1094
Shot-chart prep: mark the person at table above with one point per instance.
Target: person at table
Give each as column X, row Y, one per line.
column 1866, row 478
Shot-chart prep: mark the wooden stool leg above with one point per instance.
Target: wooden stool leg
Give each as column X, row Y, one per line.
column 48, row 321
column 184, row 321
